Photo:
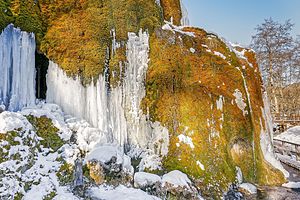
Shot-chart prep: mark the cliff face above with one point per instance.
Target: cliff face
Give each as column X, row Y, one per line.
column 205, row 92
column 209, row 95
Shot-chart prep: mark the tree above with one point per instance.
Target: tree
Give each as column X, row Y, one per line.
column 275, row 48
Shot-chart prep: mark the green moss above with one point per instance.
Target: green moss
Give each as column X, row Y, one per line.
column 50, row 196
column 6, row 16
column 65, row 174
column 18, row 196
column 46, row 130
column 86, row 172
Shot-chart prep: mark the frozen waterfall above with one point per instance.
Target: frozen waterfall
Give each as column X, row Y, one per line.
column 117, row 112
column 17, row 68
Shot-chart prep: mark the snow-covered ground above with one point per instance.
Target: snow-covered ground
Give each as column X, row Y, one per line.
column 120, row 192
column 31, row 170
column 291, row 135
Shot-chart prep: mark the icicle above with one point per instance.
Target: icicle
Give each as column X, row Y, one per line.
column 118, row 112
column 185, row 15
column 17, row 67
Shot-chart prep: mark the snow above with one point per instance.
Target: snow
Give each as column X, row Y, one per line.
column 43, row 165
column 186, row 140
column 17, row 67
column 53, row 112
column 220, row 55
column 177, row 179
column 293, row 185
column 10, row 121
column 291, row 135
column 220, row 103
column 179, row 29
column 200, row 165
column 105, row 153
column 192, row 50
column 150, row 162
column 120, row 192
column 240, row 101
column 142, row 179
column 266, row 137
column 250, row 188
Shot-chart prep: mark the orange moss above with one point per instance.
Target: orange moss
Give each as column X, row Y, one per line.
column 172, row 9
column 182, row 89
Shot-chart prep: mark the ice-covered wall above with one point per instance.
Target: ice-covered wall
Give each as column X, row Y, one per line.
column 115, row 111
column 17, row 68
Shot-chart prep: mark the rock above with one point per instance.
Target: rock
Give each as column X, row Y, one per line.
column 96, row 171
column 78, row 173
column 150, row 183
column 143, row 179
column 248, row 188
column 2, row 108
column 179, row 185
column 239, row 175
column 233, row 193
column 109, row 163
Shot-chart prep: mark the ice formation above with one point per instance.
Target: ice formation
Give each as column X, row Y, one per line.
column 114, row 111
column 185, row 16
column 240, row 101
column 266, row 137
column 17, row 67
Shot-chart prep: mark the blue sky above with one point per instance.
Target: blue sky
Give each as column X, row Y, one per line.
column 236, row 19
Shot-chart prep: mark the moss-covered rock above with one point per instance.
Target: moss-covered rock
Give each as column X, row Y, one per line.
column 77, row 34
column 47, row 131
column 172, row 10
column 65, row 173
column 191, row 88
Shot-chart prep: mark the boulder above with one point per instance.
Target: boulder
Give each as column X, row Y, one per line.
column 248, row 188
column 179, row 185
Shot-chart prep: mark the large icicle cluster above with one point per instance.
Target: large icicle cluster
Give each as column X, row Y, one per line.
column 17, row 68
column 115, row 111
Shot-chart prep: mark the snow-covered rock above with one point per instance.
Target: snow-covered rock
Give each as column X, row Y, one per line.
column 294, row 185
column 10, row 121
column 248, row 188
column 143, row 179
column 120, row 192
column 105, row 153
column 176, row 179
column 178, row 184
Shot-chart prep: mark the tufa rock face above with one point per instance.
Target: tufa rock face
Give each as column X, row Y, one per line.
column 172, row 10
column 206, row 92
column 209, row 95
